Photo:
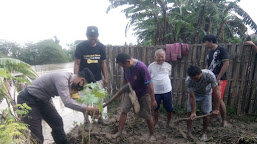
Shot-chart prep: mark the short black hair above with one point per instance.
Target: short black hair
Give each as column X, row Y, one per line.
column 210, row 38
column 87, row 74
column 193, row 70
column 122, row 58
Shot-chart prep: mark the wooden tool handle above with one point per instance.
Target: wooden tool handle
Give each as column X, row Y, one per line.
column 188, row 118
column 123, row 89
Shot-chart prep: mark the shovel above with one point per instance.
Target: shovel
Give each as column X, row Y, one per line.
column 176, row 123
column 132, row 95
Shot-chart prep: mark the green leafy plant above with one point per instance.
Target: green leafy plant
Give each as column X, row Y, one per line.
column 13, row 72
column 12, row 130
column 94, row 97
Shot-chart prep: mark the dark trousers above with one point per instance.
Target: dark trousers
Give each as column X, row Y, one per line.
column 40, row 110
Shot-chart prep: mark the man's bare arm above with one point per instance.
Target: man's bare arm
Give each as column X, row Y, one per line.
column 223, row 69
column 192, row 102
column 252, row 44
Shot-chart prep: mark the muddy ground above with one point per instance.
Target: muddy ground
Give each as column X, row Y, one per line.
column 243, row 129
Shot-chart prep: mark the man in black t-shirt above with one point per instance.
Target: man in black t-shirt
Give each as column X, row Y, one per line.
column 218, row 62
column 91, row 54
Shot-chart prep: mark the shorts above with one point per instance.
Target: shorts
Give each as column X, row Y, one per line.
column 222, row 88
column 144, row 102
column 167, row 101
column 204, row 100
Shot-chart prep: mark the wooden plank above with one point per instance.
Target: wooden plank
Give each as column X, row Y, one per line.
column 246, row 78
column 120, row 49
column 242, row 81
column 150, row 57
column 182, row 63
column 230, row 72
column 184, row 89
column 228, row 48
column 235, row 85
column 175, row 85
column 131, row 53
column 144, row 55
column 116, row 68
column 109, row 68
column 113, row 68
column 254, row 111
column 193, row 60
column 198, row 56
column 203, row 57
column 250, row 86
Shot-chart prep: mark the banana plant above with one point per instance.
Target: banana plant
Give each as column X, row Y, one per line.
column 12, row 73
column 160, row 22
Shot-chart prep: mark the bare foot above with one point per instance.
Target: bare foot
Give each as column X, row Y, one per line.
column 152, row 138
column 226, row 124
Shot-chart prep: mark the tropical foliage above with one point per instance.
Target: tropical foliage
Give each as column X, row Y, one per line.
column 168, row 21
column 13, row 72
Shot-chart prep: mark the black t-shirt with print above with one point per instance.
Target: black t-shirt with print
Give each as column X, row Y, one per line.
column 215, row 59
column 90, row 57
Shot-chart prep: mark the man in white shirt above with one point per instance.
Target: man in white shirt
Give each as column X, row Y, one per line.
column 160, row 73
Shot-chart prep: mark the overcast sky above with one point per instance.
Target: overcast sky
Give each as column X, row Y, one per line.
column 33, row 20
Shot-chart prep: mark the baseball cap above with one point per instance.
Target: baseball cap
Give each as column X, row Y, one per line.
column 92, row 31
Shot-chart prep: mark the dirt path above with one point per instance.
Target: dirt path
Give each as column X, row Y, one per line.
column 136, row 132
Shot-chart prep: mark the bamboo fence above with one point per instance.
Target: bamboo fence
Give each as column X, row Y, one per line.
column 240, row 93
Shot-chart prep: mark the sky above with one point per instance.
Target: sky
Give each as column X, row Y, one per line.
column 33, row 20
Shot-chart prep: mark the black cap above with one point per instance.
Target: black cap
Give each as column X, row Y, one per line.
column 92, row 31
column 88, row 75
